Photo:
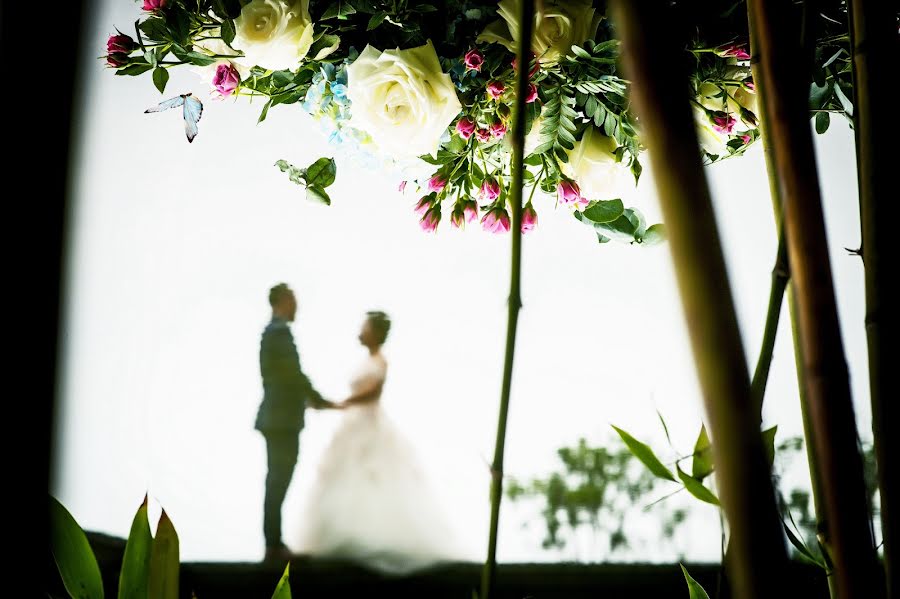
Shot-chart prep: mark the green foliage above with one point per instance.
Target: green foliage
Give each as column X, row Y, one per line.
column 283, row 590
column 135, row 573
column 643, row 452
column 73, row 555
column 315, row 178
column 694, row 589
column 164, row 561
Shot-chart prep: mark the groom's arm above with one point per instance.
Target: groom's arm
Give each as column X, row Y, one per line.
column 287, row 362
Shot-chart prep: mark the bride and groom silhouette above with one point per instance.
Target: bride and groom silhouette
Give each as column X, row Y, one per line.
column 370, row 500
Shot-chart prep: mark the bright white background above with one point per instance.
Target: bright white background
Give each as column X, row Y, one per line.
column 175, row 246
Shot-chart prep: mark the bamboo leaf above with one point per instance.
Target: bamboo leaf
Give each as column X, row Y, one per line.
column 164, row 561
column 135, row 572
column 643, row 452
column 694, row 589
column 702, row 465
column 283, row 590
column 73, row 555
column 696, row 488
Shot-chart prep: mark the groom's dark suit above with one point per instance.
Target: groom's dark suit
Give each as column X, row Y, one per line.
column 280, row 418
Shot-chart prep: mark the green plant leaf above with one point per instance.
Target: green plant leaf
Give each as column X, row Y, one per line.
column 160, row 78
column 665, row 428
column 696, row 488
column 844, row 100
column 376, row 20
column 265, row 112
column 134, row 69
column 283, row 590
column 73, row 555
column 321, row 173
column 694, row 589
column 317, row 194
column 768, row 438
column 643, row 452
column 801, row 547
column 654, row 234
column 135, row 573
column 604, row 211
column 819, row 95
column 228, row 31
column 702, row 465
column 164, row 561
column 823, row 119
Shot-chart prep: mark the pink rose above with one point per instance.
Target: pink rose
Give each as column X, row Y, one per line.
column 568, row 192
column 465, row 127
column 423, row 205
column 473, row 60
column 529, row 218
column 437, row 183
column 534, row 64
column 749, row 85
column 226, row 79
column 429, row 222
column 464, row 211
column 470, row 210
column 496, row 221
column 483, row 135
column 495, row 89
column 532, row 93
column 745, row 139
column 117, row 60
column 490, row 190
column 154, row 4
column 120, row 44
column 498, row 129
column 733, row 51
column 724, row 123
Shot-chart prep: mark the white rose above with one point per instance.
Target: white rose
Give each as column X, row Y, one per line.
column 731, row 98
column 558, row 24
column 273, row 34
column 402, row 99
column 592, row 164
column 711, row 141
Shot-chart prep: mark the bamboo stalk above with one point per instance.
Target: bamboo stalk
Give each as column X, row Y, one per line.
column 873, row 36
column 526, row 25
column 757, row 555
column 826, row 379
column 780, row 278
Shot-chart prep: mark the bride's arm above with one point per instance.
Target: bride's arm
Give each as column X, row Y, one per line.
column 365, row 394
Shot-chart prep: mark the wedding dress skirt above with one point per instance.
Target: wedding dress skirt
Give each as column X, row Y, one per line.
column 371, row 500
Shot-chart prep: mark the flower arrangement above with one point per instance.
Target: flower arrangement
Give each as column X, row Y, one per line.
column 427, row 91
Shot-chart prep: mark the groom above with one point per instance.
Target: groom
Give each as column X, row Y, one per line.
column 286, row 392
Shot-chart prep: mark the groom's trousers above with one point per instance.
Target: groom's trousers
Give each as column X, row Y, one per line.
column 282, row 448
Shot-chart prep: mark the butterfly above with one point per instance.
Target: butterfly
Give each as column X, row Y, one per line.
column 192, row 110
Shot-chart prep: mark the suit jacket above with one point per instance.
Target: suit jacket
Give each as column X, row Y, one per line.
column 286, row 390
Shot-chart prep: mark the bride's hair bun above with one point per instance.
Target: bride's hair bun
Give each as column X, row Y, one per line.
column 381, row 322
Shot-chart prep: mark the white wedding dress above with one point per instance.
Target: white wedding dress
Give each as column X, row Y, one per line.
column 371, row 500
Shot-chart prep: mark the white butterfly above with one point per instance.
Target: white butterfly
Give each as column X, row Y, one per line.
column 193, row 108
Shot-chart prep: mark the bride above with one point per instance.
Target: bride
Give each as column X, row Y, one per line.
column 371, row 501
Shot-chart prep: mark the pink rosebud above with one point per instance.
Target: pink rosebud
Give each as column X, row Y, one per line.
column 733, row 51
column 495, row 89
column 457, row 219
column 723, row 122
column 568, row 192
column 402, row 187
column 423, row 205
column 437, row 183
column 429, row 222
column 117, row 60
column 534, row 64
column 470, row 210
column 465, row 127
column 464, row 211
column 226, row 79
column 749, row 85
column 483, row 135
column 154, row 4
column 473, row 60
column 745, row 139
column 532, row 93
column 496, row 221
column 120, row 44
column 529, row 218
column 490, row 190
column 498, row 129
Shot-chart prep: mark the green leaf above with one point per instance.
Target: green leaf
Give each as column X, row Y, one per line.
column 694, row 589
column 643, row 452
column 376, row 20
column 227, row 9
column 164, row 561
column 134, row 69
column 702, row 465
column 665, row 428
column 655, row 234
column 844, row 100
column 198, row 59
column 580, row 52
column 801, row 546
column 603, row 238
column 155, row 29
column 819, row 95
column 317, row 194
column 73, row 555
column 150, row 57
column 135, row 572
column 265, row 112
column 323, row 44
column 160, row 78
column 228, row 31
column 321, row 173
column 696, row 488
column 604, row 211
column 823, row 119
column 340, row 10
column 283, row 590
column 768, row 438
column 533, row 160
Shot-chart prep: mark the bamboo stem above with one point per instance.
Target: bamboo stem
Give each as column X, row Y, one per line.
column 526, row 24
column 757, row 554
column 826, row 379
column 874, row 42
column 780, row 278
